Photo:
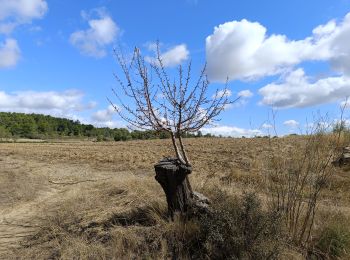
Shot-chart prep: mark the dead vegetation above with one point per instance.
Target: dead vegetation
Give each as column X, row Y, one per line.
column 121, row 212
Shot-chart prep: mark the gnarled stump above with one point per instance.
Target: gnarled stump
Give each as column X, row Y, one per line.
column 172, row 176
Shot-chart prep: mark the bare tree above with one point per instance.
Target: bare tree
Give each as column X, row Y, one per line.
column 161, row 103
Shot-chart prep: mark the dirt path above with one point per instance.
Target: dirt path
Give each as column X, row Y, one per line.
column 19, row 222
column 26, row 186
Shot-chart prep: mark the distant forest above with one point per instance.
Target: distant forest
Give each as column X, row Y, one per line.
column 36, row 126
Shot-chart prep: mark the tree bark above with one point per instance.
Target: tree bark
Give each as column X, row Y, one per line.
column 172, row 176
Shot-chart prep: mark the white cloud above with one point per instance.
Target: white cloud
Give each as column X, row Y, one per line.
column 291, row 123
column 67, row 104
column 327, row 125
column 243, row 96
column 104, row 115
column 175, row 56
column 243, row 50
column 104, row 118
column 223, row 93
column 50, row 102
column 93, row 41
column 297, row 91
column 12, row 14
column 7, row 28
column 231, row 131
column 17, row 12
column 110, row 124
column 345, row 104
column 332, row 42
column 9, row 53
column 152, row 46
column 266, row 126
column 245, row 93
column 172, row 57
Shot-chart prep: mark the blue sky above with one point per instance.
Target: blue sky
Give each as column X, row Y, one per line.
column 56, row 57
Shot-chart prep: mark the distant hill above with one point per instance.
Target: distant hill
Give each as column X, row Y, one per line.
column 36, row 126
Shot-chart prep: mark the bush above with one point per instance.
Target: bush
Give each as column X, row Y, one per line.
column 297, row 175
column 240, row 229
column 334, row 240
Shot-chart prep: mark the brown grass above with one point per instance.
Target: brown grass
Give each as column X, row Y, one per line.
column 120, row 212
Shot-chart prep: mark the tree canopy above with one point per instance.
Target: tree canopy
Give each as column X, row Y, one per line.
column 172, row 105
column 37, row 126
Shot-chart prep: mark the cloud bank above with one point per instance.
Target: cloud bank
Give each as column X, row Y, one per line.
column 231, row 131
column 243, row 50
column 296, row 90
column 46, row 102
column 291, row 123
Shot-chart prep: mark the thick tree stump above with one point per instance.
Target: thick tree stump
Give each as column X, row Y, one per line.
column 172, row 176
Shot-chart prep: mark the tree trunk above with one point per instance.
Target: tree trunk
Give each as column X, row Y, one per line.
column 172, row 176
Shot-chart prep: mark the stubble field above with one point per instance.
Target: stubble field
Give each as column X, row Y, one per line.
column 88, row 200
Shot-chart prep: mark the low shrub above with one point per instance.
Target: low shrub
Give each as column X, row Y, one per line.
column 238, row 228
column 334, row 241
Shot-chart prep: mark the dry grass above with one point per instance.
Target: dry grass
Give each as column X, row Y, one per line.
column 120, row 212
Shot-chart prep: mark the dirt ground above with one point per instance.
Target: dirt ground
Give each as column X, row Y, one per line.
column 34, row 177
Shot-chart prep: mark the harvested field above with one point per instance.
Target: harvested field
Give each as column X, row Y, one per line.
column 89, row 193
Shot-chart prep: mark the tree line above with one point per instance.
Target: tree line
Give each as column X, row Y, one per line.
column 37, row 126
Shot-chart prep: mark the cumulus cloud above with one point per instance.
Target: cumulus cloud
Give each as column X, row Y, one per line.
column 93, row 41
column 245, row 93
column 335, row 122
column 50, row 102
column 291, row 123
column 223, row 93
column 110, row 123
column 345, row 104
column 104, row 115
column 12, row 14
column 9, row 53
column 243, row 49
column 172, row 57
column 231, row 131
column 104, row 118
column 297, row 90
column 17, row 12
column 332, row 41
column 242, row 99
column 266, row 126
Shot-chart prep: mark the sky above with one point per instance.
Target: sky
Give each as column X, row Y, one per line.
column 287, row 58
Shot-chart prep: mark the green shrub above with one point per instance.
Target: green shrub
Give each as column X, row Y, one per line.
column 334, row 240
column 240, row 229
